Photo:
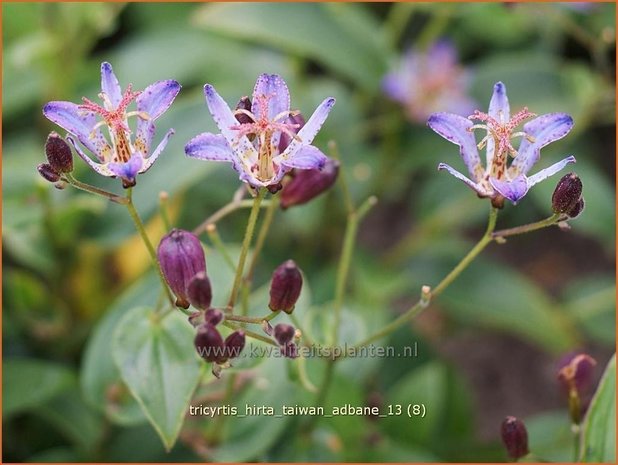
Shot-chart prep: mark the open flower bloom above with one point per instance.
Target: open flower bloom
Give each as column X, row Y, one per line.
column 428, row 81
column 499, row 177
column 250, row 136
column 119, row 156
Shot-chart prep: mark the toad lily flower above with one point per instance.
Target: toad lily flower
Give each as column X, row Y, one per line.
column 121, row 158
column 499, row 177
column 250, row 137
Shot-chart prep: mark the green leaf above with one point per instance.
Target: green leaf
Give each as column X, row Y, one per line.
column 159, row 364
column 31, row 383
column 308, row 30
column 599, row 427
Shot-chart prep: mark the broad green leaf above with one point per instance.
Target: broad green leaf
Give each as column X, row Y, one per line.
column 599, row 426
column 493, row 296
column 29, row 383
column 159, row 364
column 308, row 30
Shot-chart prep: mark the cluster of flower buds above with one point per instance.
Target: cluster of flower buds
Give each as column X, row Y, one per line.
column 59, row 160
column 515, row 437
column 183, row 264
column 306, row 185
column 285, row 287
column 210, row 344
column 284, row 334
column 575, row 375
column 567, row 197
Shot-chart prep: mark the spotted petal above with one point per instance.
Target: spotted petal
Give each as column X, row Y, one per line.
column 127, row 171
column 512, row 190
column 80, row 123
column 97, row 167
column 307, row 157
column 455, row 129
column 148, row 162
column 499, row 107
column 225, row 120
column 308, row 132
column 275, row 88
column 153, row 102
column 110, row 85
column 544, row 130
column 547, row 172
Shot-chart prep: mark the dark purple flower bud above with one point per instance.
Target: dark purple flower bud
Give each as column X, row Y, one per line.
column 285, row 287
column 284, row 333
column 577, row 372
column 209, row 344
column 58, row 153
column 181, row 257
column 299, row 121
column 234, row 344
column 515, row 437
column 213, row 316
column 267, row 327
column 48, row 173
column 289, row 350
column 308, row 184
column 567, row 194
column 199, row 291
column 243, row 104
column 577, row 209
column 197, row 319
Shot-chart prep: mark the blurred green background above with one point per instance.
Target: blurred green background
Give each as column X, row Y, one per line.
column 488, row 348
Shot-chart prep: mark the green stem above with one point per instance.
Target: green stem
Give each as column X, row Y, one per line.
column 251, row 319
column 427, row 296
column 261, row 238
column 139, row 225
column 68, row 177
column 253, row 216
column 225, row 211
column 552, row 220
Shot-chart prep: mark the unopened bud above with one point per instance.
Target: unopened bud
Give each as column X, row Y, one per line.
column 284, row 333
column 285, row 287
column 209, row 344
column 243, row 104
column 58, row 153
column 577, row 209
column 267, row 327
column 567, row 194
column 515, row 437
column 60, row 185
column 234, row 344
column 577, row 372
column 308, row 184
column 48, row 173
column 181, row 257
column 298, row 120
column 289, row 350
column 199, row 291
column 213, row 316
column 197, row 319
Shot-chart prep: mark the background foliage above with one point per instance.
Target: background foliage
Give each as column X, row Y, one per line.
column 73, row 266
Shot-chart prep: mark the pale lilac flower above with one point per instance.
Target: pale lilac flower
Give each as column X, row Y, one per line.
column 118, row 156
column 499, row 177
column 431, row 81
column 252, row 142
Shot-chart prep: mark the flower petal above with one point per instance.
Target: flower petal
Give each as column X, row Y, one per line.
column 80, row 123
column 307, row 157
column 499, row 108
column 544, row 129
column 512, row 190
column 207, row 146
column 455, row 128
column 97, row 167
column 109, row 84
column 471, row 184
column 128, row 171
column 276, row 91
column 148, row 162
column 153, row 101
column 225, row 120
column 308, row 132
column 547, row 172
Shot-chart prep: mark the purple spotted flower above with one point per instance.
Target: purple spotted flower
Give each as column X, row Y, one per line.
column 250, row 138
column 426, row 82
column 117, row 156
column 501, row 178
